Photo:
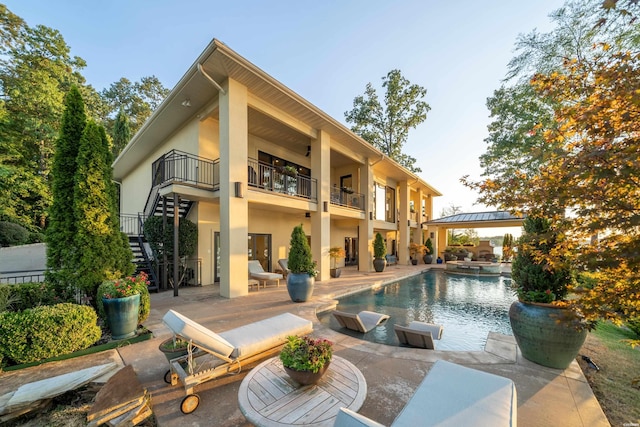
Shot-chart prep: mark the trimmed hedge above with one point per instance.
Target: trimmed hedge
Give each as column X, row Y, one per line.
column 47, row 331
column 23, row 296
column 12, row 234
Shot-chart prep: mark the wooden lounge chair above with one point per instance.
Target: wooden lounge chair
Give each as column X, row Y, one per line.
column 257, row 272
column 361, row 322
column 451, row 395
column 284, row 265
column 227, row 352
column 419, row 334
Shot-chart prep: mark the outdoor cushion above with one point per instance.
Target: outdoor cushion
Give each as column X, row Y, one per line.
column 190, row 330
column 265, row 334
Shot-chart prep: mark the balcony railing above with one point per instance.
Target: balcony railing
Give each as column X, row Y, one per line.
column 347, row 198
column 179, row 167
column 271, row 178
column 130, row 224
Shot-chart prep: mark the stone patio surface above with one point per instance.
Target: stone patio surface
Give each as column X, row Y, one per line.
column 546, row 397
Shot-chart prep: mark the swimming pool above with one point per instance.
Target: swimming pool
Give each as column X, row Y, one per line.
column 468, row 308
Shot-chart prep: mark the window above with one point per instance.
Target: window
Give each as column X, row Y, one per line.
column 384, row 203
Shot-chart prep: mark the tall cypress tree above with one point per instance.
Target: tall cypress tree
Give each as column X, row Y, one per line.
column 61, row 230
column 101, row 253
column 121, row 132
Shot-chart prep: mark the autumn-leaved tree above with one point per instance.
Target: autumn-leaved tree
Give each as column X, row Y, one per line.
column 386, row 126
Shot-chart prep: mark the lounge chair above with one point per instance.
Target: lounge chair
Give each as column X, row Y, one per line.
column 451, row 395
column 257, row 272
column 361, row 322
column 284, row 265
column 227, row 352
column 419, row 334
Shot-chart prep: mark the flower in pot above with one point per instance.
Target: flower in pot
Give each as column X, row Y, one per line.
column 546, row 332
column 290, row 170
column 414, row 250
column 379, row 251
column 120, row 301
column 306, row 359
column 428, row 251
column 302, row 267
column 336, row 252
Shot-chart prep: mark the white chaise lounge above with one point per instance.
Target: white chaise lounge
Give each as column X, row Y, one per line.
column 451, row 395
column 257, row 272
column 227, row 352
column 419, row 334
column 361, row 322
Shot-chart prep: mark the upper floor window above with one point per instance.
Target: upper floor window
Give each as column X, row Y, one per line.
column 277, row 162
column 384, row 203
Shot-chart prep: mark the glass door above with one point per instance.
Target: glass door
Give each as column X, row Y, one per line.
column 351, row 251
column 259, row 248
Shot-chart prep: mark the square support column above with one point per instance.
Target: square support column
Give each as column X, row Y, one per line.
column 365, row 227
column 321, row 220
column 403, row 227
column 234, row 211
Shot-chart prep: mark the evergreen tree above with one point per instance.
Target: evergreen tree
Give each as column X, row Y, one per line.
column 121, row 132
column 101, row 254
column 62, row 228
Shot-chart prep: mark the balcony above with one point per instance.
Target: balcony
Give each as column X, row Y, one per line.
column 347, row 198
column 177, row 167
column 280, row 180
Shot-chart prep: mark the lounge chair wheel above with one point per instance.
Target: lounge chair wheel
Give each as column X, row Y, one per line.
column 190, row 403
column 167, row 377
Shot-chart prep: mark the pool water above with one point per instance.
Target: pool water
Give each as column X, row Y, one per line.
column 467, row 307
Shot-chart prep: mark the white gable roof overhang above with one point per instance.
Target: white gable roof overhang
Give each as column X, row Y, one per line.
column 220, row 63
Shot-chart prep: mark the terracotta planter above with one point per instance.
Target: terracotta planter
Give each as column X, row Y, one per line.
column 122, row 316
column 306, row 377
column 547, row 335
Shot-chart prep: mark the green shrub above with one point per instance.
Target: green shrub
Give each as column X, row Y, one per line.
column 12, row 234
column 141, row 287
column 48, row 331
column 300, row 259
column 159, row 241
column 379, row 247
column 30, row 295
column 634, row 325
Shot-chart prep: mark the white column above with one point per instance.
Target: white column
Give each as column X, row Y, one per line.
column 403, row 226
column 234, row 211
column 365, row 227
column 321, row 220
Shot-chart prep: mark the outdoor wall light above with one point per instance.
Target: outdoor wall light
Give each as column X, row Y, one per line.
column 238, row 189
column 325, row 206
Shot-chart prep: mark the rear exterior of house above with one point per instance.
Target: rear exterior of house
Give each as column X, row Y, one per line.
column 247, row 159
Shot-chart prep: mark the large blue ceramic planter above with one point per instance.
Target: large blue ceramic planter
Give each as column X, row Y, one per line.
column 122, row 316
column 300, row 286
column 546, row 335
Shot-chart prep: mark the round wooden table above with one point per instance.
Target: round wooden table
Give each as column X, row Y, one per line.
column 269, row 397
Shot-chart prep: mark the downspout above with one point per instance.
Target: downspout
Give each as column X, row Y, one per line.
column 213, row 82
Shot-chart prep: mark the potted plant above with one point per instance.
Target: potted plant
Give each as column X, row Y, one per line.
column 120, row 300
column 428, row 251
column 379, row 251
column 174, row 347
column 414, row 250
column 335, row 253
column 306, row 359
column 302, row 267
column 290, row 171
column 546, row 332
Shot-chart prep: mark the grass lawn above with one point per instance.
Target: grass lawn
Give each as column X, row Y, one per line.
column 617, row 384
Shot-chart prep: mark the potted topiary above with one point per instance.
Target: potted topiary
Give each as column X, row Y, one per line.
column 302, row 268
column 428, row 251
column 306, row 359
column 379, row 251
column 336, row 252
column 414, row 250
column 546, row 332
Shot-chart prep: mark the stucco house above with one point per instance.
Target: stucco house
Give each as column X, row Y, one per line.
column 247, row 159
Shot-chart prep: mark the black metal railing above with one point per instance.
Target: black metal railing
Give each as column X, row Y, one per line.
column 184, row 168
column 347, row 198
column 130, row 224
column 280, row 180
column 13, row 278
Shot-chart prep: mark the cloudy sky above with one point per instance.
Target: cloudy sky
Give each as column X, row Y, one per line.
column 327, row 51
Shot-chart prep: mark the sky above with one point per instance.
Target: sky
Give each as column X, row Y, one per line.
column 326, row 51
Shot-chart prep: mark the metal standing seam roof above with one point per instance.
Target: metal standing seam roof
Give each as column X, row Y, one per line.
column 476, row 217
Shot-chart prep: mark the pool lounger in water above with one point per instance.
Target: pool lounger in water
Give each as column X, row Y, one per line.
column 361, row 322
column 419, row 334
